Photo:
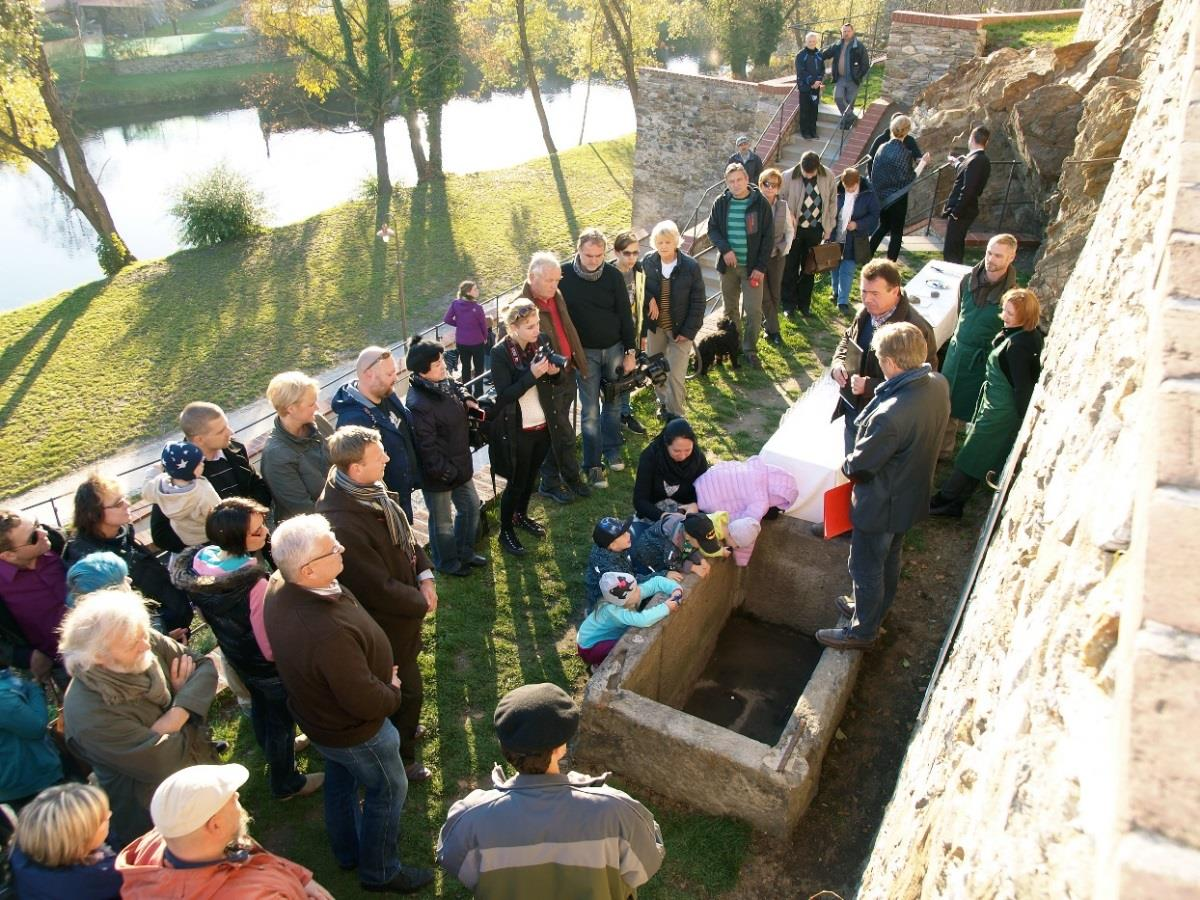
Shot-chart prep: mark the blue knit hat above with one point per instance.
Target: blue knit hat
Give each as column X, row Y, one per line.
column 180, row 460
column 95, row 572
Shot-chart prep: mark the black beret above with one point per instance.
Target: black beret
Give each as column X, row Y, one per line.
column 536, row 718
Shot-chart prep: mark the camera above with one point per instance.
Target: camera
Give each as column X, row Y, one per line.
column 648, row 369
column 555, row 359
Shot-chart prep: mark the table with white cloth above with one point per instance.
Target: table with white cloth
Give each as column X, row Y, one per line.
column 810, row 446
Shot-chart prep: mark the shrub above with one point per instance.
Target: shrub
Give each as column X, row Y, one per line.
column 220, row 205
column 112, row 254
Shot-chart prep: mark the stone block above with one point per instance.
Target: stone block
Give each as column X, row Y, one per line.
column 1168, row 582
column 1180, row 329
column 1164, row 732
column 1177, row 419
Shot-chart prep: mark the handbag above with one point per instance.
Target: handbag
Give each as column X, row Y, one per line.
column 822, row 258
column 862, row 250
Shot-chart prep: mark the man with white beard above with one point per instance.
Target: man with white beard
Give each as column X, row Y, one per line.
column 201, row 845
column 136, row 706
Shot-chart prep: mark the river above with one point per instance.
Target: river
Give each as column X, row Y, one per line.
column 45, row 249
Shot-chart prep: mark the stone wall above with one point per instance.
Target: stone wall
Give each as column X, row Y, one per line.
column 923, row 47
column 188, row 62
column 1058, row 754
column 686, row 126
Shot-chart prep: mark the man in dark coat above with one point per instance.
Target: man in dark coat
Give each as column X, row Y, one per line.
column 386, row 568
column 891, row 466
column 440, row 408
column 850, row 66
column 741, row 227
column 747, row 158
column 856, row 366
column 226, row 466
column 371, row 401
column 962, row 206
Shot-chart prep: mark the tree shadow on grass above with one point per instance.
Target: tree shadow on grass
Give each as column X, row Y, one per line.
column 564, row 196
column 536, row 636
column 50, row 331
column 432, row 256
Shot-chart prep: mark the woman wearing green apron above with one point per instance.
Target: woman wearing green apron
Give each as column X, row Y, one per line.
column 1012, row 370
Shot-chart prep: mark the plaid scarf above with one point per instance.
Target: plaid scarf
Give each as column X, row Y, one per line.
column 379, row 498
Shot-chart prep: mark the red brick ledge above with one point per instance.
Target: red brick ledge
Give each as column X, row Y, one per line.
column 974, row 22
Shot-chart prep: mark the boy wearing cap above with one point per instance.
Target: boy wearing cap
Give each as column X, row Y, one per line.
column 543, row 833
column 200, row 846
column 676, row 543
column 618, row 611
column 182, row 492
column 611, row 540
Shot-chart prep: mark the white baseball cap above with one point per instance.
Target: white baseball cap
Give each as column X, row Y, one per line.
column 192, row 796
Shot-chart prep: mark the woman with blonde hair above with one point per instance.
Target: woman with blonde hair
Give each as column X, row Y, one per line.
column 295, row 462
column 59, row 848
column 1012, row 371
column 520, row 364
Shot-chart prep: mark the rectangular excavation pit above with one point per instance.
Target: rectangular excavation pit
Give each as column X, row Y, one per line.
column 653, row 712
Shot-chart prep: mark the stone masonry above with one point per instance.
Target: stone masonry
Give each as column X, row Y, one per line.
column 1058, row 754
column 188, row 62
column 686, row 126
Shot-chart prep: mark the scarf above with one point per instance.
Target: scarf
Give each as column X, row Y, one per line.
column 583, row 273
column 118, row 688
column 377, row 497
column 446, row 387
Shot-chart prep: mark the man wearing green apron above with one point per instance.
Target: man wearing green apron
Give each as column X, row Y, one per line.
column 979, row 296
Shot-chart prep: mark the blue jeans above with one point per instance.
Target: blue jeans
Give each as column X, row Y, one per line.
column 843, row 280
column 452, row 534
column 275, row 731
column 601, row 427
column 875, row 573
column 366, row 834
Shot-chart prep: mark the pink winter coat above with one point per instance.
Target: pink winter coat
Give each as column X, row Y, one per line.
column 745, row 489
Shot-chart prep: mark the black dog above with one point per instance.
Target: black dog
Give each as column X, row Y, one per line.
column 716, row 346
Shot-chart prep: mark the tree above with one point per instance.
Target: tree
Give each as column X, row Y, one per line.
column 437, row 68
column 631, row 33
column 33, row 120
column 506, row 38
column 744, row 30
column 357, row 47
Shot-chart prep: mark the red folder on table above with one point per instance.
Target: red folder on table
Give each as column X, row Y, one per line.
column 837, row 510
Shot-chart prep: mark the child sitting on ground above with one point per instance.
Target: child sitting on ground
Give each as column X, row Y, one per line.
column 185, row 496
column 620, row 596
column 611, row 540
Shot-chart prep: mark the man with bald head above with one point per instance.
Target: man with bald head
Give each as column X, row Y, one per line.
column 371, row 401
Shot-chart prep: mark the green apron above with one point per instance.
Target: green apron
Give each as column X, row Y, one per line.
column 997, row 420
column 967, row 354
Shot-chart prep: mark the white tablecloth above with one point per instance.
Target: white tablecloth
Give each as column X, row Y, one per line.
column 941, row 312
column 811, row 447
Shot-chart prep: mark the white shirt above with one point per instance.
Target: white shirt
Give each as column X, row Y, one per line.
column 847, row 212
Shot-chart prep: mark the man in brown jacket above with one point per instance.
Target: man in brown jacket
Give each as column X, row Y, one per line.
column 336, row 664
column 385, row 567
column 855, row 367
column 562, row 480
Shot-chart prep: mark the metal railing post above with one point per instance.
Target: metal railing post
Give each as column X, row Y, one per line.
column 1007, row 188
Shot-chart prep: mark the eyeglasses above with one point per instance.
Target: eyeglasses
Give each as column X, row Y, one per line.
column 118, row 503
column 629, row 252
column 35, row 534
column 337, row 549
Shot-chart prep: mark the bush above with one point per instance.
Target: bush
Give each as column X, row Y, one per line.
column 56, row 31
column 111, row 254
column 220, row 205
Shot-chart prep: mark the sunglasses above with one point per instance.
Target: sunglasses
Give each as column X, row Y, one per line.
column 33, row 535
column 629, row 253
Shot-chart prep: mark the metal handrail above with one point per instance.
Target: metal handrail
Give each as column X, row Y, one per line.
column 863, row 100
column 691, row 222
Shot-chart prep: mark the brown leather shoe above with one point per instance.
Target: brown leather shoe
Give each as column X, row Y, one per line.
column 841, row 639
column 417, row 773
column 312, row 783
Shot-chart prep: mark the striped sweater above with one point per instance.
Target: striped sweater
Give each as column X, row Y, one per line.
column 550, row 836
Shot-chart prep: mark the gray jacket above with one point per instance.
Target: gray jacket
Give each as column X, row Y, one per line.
column 296, row 468
column 892, row 463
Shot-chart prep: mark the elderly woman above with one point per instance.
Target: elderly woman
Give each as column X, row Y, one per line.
column 136, row 706
column 103, row 521
column 519, row 437
column 294, row 460
column 1013, row 368
column 770, row 182
column 667, row 472
column 673, row 313
column 893, row 169
column 227, row 581
column 857, row 217
column 810, row 81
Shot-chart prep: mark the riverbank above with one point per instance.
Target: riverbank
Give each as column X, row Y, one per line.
column 111, row 363
column 101, row 89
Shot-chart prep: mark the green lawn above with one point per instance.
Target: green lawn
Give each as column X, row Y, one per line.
column 100, row 88
column 869, row 88
column 1031, row 33
column 112, row 362
column 514, row 622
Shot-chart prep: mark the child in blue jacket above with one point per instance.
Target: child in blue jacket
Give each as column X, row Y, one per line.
column 620, row 596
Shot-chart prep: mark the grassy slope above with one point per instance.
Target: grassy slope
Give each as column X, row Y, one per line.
column 101, row 88
column 1032, row 33
column 111, row 363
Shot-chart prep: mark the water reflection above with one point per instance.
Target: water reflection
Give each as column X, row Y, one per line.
column 44, row 249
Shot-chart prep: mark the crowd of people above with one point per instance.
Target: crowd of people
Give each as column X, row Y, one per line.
column 315, row 587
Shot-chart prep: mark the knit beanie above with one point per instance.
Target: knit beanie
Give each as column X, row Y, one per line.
column 744, row 532
column 180, row 460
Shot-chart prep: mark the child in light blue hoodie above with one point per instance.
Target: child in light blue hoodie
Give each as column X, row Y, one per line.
column 620, row 596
